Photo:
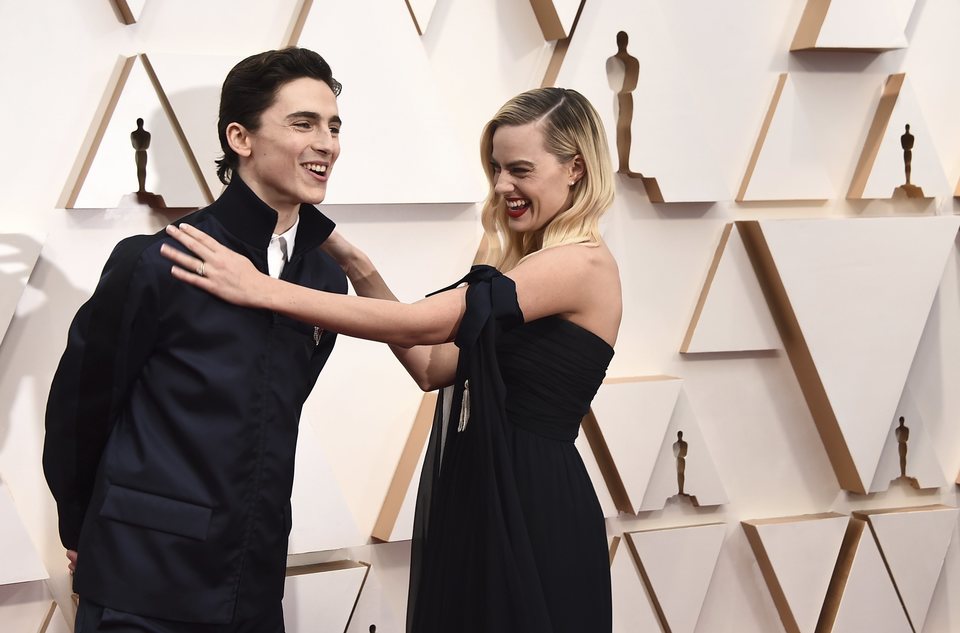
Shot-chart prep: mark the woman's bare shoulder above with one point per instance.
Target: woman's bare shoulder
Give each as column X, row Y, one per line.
column 578, row 282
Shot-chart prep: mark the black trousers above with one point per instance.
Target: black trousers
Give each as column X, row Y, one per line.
column 93, row 618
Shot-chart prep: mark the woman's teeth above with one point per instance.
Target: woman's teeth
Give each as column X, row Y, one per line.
column 516, row 208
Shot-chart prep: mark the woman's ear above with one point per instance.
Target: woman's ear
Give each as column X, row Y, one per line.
column 238, row 138
column 577, row 169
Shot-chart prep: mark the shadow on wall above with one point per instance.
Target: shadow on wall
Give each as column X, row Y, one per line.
column 29, row 352
column 18, row 254
column 35, row 338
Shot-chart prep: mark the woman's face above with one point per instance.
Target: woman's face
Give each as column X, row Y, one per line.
column 534, row 185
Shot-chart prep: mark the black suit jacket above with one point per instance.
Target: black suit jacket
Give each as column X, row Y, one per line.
column 172, row 425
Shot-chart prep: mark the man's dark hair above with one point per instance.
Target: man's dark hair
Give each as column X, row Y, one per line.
column 252, row 85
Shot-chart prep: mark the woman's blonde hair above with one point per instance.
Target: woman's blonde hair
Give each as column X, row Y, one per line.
column 571, row 127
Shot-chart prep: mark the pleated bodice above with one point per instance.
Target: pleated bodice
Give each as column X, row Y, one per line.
column 552, row 369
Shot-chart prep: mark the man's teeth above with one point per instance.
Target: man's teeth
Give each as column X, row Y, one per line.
column 319, row 169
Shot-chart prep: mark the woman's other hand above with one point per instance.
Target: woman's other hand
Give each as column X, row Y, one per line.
column 354, row 262
column 337, row 247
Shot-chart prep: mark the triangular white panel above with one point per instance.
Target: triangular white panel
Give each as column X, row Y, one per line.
column 914, row 542
column 633, row 414
column 607, row 504
column 632, row 606
column 923, row 469
column 861, row 291
column 801, row 553
column 321, row 518
column 861, row 24
column 787, row 145
column 732, row 314
column 669, row 121
column 18, row 255
column 21, row 563
column 421, row 11
column 887, row 170
column 376, row 56
column 192, row 83
column 701, row 481
column 113, row 170
column 869, row 601
column 321, row 598
column 668, row 142
column 679, row 564
column 24, row 606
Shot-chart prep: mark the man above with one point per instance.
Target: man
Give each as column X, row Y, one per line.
column 172, row 418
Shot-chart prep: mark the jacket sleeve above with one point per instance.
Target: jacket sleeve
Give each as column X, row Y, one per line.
column 108, row 342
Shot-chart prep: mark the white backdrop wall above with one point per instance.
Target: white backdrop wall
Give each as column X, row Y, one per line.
column 716, row 63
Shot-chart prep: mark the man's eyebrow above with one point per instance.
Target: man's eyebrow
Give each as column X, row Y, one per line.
column 313, row 116
column 304, row 114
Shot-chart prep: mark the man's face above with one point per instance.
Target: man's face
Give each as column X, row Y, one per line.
column 288, row 160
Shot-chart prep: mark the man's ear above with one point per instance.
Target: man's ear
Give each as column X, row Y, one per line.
column 238, row 138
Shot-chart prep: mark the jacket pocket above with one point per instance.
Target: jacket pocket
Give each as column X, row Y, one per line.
column 154, row 512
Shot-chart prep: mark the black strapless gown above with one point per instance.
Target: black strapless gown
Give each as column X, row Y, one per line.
column 509, row 536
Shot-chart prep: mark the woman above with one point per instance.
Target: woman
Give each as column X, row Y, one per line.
column 509, row 536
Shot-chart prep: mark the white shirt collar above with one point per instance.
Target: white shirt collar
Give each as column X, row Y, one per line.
column 275, row 253
column 290, row 235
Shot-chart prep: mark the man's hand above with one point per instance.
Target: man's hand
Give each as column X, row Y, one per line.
column 72, row 557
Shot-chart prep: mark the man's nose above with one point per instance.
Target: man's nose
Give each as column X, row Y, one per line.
column 323, row 142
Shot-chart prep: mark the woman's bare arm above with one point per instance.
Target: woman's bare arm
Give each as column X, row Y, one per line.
column 430, row 366
column 574, row 282
column 233, row 278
